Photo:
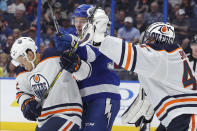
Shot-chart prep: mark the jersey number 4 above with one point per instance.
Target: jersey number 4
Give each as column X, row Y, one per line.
column 188, row 78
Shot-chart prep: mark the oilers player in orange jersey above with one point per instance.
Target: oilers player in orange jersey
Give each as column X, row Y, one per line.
column 54, row 102
column 163, row 72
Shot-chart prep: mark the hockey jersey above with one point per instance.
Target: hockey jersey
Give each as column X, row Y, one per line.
column 63, row 100
column 163, row 72
column 103, row 81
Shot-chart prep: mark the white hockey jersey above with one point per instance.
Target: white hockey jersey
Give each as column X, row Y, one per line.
column 63, row 100
column 163, row 71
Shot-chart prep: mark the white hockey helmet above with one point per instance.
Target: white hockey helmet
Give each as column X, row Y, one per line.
column 161, row 32
column 20, row 46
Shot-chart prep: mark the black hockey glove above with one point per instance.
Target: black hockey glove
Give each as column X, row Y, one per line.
column 70, row 62
column 31, row 109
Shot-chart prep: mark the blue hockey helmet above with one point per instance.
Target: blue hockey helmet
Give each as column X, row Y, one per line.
column 81, row 11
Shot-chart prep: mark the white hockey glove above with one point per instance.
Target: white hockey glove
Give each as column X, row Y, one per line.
column 100, row 23
column 139, row 112
column 97, row 29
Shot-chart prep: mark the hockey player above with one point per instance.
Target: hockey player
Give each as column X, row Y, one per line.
column 163, row 72
column 100, row 92
column 45, row 94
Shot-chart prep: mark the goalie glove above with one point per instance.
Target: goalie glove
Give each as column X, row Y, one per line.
column 96, row 30
column 100, row 23
column 139, row 112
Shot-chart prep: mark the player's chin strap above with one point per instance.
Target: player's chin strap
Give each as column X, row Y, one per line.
column 32, row 62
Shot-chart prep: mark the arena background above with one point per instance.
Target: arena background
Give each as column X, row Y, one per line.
column 10, row 115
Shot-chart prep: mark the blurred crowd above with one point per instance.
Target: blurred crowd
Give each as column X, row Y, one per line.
column 19, row 18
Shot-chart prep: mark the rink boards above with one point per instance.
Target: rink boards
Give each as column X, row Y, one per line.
column 11, row 117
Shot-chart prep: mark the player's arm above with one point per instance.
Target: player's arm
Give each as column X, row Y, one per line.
column 126, row 55
column 134, row 58
column 29, row 106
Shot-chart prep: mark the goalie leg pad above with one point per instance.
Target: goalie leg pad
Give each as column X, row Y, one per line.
column 140, row 108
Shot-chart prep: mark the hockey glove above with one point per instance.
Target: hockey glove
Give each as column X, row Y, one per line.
column 31, row 109
column 65, row 41
column 100, row 23
column 70, row 62
column 140, row 111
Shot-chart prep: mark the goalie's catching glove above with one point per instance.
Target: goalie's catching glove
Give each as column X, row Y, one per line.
column 31, row 109
column 100, row 23
column 140, row 111
column 96, row 29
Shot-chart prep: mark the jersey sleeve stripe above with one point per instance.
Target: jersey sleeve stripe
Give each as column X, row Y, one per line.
column 69, row 124
column 173, row 102
column 18, row 95
column 128, row 57
column 174, row 96
column 122, row 54
column 193, row 122
column 62, row 105
column 134, row 57
column 61, row 111
column 175, row 108
column 70, row 115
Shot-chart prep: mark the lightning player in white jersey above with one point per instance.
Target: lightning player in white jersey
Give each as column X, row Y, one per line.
column 100, row 92
column 163, row 72
column 55, row 103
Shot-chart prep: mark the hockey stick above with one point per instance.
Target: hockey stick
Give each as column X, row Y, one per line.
column 54, row 19
column 53, row 83
column 58, row 34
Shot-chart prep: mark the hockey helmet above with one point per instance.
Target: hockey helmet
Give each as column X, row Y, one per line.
column 161, row 32
column 20, row 46
column 82, row 10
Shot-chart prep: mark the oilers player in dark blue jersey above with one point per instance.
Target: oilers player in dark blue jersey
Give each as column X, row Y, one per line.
column 100, row 92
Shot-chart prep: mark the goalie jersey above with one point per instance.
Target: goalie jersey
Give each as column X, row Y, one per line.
column 163, row 72
column 63, row 100
column 103, row 81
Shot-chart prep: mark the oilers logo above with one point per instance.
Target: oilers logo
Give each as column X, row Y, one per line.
column 39, row 85
column 163, row 35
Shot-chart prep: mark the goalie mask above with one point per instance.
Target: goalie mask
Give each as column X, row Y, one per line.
column 20, row 47
column 160, row 32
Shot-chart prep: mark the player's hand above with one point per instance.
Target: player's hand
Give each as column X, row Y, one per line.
column 70, row 61
column 31, row 109
column 64, row 41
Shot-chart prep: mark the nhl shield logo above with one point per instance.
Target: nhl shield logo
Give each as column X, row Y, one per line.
column 39, row 85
